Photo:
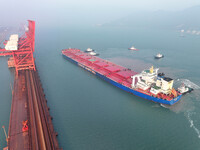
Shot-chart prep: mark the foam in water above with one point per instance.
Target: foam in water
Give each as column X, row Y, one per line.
column 192, row 123
column 188, row 105
column 165, row 106
column 189, row 83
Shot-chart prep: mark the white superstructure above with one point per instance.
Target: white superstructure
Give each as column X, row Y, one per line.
column 150, row 79
column 133, row 48
column 145, row 78
column 89, row 50
column 12, row 43
column 93, row 53
column 14, row 37
column 159, row 56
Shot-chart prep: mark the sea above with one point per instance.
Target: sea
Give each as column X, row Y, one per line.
column 91, row 114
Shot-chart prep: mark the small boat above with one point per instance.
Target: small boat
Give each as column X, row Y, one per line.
column 93, row 53
column 158, row 56
column 183, row 89
column 132, row 48
column 89, row 50
column 182, row 33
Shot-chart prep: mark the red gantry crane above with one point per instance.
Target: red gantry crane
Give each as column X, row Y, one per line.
column 23, row 56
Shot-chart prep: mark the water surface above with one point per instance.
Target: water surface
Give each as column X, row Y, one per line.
column 89, row 113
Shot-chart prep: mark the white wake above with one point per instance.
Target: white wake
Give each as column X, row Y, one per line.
column 192, row 125
column 189, row 83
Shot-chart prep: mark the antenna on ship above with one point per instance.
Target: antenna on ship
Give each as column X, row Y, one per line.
column 5, row 134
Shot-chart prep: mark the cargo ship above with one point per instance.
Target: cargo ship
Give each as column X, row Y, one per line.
column 149, row 84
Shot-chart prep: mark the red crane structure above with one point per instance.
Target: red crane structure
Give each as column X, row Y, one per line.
column 23, row 56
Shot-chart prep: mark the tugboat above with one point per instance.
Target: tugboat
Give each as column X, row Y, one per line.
column 93, row 53
column 183, row 89
column 133, row 48
column 158, row 56
column 89, row 50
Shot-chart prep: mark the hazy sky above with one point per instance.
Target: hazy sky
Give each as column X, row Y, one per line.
column 82, row 11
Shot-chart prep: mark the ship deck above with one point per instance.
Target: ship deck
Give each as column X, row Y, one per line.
column 115, row 72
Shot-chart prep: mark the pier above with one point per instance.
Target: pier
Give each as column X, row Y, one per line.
column 30, row 126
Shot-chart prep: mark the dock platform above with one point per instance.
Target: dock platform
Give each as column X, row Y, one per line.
column 19, row 113
column 29, row 105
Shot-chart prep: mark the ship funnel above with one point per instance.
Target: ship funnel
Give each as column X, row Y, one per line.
column 151, row 69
